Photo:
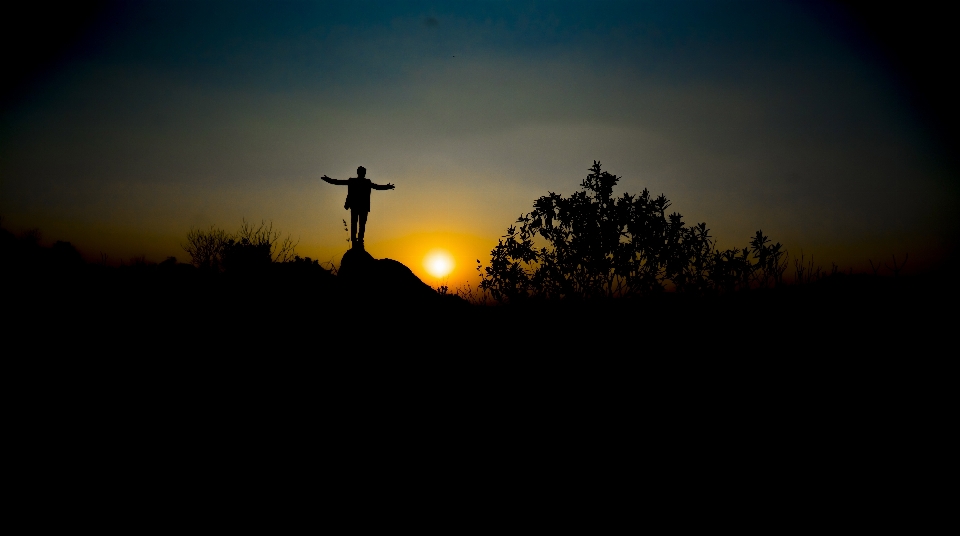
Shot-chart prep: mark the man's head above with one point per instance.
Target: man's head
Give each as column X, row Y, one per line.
column 361, row 172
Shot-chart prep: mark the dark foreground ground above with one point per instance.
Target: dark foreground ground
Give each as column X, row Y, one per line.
column 289, row 333
column 801, row 402
column 302, row 316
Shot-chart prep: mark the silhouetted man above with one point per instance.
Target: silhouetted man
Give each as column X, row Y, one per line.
column 358, row 200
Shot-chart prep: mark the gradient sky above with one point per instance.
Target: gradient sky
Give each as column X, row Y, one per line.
column 152, row 118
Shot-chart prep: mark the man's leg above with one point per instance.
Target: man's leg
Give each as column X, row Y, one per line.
column 353, row 226
column 363, row 225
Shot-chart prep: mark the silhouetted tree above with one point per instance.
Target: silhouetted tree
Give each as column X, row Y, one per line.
column 592, row 245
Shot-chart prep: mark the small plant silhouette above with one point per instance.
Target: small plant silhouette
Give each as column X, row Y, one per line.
column 806, row 272
column 897, row 267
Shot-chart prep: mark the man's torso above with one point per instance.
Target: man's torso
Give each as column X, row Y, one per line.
column 358, row 194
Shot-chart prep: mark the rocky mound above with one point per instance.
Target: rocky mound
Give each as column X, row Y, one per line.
column 381, row 278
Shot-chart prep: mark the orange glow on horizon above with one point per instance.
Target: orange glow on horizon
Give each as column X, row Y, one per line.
column 438, row 258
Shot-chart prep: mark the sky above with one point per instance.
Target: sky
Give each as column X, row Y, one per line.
column 132, row 123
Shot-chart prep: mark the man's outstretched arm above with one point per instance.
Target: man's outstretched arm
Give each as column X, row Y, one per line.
column 388, row 186
column 334, row 181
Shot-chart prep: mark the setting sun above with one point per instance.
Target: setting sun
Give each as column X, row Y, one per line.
column 439, row 263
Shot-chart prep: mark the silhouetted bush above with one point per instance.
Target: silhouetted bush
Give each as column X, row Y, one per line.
column 593, row 245
column 249, row 248
column 206, row 248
